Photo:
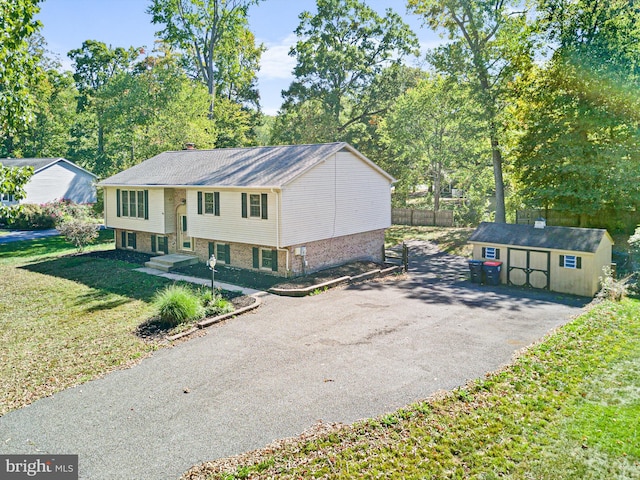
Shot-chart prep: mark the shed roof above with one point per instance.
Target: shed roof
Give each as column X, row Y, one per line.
column 38, row 163
column 271, row 167
column 553, row 238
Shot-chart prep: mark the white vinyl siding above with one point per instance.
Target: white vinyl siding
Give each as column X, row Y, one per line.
column 156, row 222
column 58, row 181
column 230, row 226
column 340, row 196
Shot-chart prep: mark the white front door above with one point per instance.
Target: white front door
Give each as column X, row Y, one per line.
column 185, row 242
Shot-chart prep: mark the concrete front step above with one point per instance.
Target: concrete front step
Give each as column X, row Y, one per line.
column 166, row 263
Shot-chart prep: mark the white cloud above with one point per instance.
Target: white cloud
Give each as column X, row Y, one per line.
column 276, row 62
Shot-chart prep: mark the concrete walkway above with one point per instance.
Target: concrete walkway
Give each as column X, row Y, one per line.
column 346, row 354
column 199, row 281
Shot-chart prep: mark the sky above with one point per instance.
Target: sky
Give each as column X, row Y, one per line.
column 125, row 23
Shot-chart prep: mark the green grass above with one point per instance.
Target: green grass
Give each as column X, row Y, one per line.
column 65, row 318
column 566, row 408
column 450, row 240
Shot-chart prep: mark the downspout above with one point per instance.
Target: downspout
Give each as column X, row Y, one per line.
column 278, row 248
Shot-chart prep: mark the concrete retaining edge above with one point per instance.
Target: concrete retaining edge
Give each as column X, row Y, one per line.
column 301, row 292
column 207, row 322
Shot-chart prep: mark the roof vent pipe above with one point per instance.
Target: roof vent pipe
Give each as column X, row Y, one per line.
column 540, row 223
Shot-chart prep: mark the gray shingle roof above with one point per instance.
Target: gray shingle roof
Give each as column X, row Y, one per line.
column 37, row 163
column 271, row 167
column 555, row 238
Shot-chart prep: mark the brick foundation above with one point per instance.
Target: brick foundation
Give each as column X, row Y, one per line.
column 319, row 255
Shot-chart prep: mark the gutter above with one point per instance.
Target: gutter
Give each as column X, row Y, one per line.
column 278, row 247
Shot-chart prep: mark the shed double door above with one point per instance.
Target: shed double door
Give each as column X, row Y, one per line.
column 528, row 268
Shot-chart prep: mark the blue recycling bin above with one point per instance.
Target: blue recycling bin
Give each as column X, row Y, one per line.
column 491, row 272
column 475, row 268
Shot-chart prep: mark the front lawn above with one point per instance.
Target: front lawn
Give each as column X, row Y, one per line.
column 66, row 318
column 566, row 408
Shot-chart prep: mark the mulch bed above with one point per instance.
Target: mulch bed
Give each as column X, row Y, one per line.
column 248, row 278
column 122, row 255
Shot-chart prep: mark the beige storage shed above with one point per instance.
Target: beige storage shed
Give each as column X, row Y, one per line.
column 559, row 259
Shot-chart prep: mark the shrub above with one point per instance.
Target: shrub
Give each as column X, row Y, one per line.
column 79, row 232
column 177, row 304
column 49, row 215
column 634, row 248
column 611, row 288
column 215, row 305
column 31, row 217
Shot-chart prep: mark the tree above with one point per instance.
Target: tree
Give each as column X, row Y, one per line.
column 432, row 133
column 344, row 49
column 578, row 143
column 49, row 135
column 489, row 47
column 18, row 66
column 12, row 182
column 140, row 109
column 95, row 65
column 207, row 30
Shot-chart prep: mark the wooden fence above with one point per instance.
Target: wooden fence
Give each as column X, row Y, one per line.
column 612, row 220
column 415, row 217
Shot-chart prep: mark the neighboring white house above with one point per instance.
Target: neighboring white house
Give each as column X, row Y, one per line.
column 54, row 179
column 286, row 209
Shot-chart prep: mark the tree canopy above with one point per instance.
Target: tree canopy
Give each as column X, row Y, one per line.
column 578, row 137
column 489, row 46
column 214, row 35
column 345, row 51
column 19, row 70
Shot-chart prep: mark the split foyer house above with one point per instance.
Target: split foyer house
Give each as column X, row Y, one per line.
column 54, row 179
column 283, row 209
column 560, row 259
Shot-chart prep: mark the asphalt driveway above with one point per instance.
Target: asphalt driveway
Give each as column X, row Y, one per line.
column 346, row 354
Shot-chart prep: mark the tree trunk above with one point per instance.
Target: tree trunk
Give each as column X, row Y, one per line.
column 437, row 185
column 496, row 156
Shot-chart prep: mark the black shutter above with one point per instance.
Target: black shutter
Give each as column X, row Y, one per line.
column 578, row 262
column 484, row 252
column 562, row 260
column 123, row 239
column 153, row 244
column 263, row 204
column 118, row 202
column 210, row 249
column 216, row 203
column 227, row 253
column 274, row 260
column 256, row 257
column 199, row 203
column 146, row 205
column 165, row 248
column 244, row 205
column 497, row 254
column 134, row 240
